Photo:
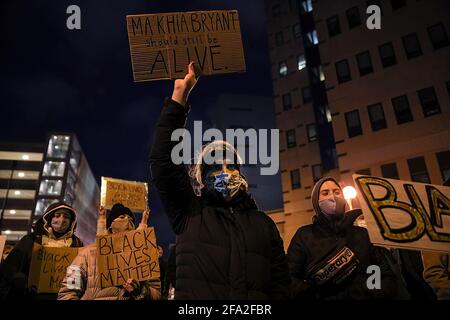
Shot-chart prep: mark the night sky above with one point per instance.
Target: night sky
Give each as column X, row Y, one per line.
column 55, row 79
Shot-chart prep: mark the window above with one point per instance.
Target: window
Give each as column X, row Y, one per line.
column 276, row 10
column 317, row 172
column 389, row 171
column 295, row 179
column 311, row 39
column 296, row 30
column 444, row 164
column 311, row 132
column 438, row 36
column 279, row 40
column 333, row 26
column 364, row 63
column 282, row 69
column 412, row 46
column 353, row 17
column 58, row 146
column 418, row 170
column 306, row 6
column 397, row 4
column 287, row 101
column 291, row 139
column 402, row 110
column 353, row 123
column 387, row 55
column 50, row 187
column 343, row 71
column 376, row 115
column 306, row 93
column 53, row 169
column 42, row 204
column 301, row 62
column 317, row 74
column 365, row 172
column 429, row 102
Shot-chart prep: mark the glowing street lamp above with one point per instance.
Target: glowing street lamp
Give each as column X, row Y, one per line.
column 349, row 194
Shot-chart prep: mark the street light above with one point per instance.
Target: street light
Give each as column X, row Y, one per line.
column 349, row 194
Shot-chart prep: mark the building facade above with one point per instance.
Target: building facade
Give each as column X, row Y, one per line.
column 387, row 94
column 34, row 177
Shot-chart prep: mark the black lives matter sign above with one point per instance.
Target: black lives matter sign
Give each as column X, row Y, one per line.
column 162, row 45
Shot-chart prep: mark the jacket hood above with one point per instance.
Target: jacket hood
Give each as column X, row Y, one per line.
column 339, row 221
column 43, row 227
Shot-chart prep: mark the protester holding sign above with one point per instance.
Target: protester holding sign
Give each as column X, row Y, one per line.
column 329, row 258
column 83, row 281
column 226, row 248
column 56, row 229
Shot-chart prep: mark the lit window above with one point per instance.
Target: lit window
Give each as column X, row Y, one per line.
column 311, row 38
column 50, row 187
column 283, row 69
column 301, row 62
column 54, row 169
column 306, row 6
column 25, row 157
column 58, row 146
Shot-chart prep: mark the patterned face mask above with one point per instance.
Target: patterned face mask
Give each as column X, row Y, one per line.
column 225, row 184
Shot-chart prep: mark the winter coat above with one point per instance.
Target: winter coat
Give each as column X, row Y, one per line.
column 222, row 251
column 437, row 273
column 314, row 244
column 15, row 269
column 86, row 286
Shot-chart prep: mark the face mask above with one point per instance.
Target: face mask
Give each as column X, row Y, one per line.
column 226, row 185
column 328, row 206
column 122, row 225
column 60, row 224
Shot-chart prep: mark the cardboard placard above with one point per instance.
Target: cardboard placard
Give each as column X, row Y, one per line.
column 131, row 194
column 127, row 255
column 48, row 267
column 2, row 245
column 163, row 44
column 405, row 214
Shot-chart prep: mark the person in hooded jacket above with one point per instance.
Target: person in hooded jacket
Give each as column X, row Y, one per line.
column 328, row 259
column 82, row 280
column 56, row 228
column 226, row 248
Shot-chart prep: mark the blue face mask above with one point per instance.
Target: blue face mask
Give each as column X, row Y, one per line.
column 328, row 206
column 225, row 184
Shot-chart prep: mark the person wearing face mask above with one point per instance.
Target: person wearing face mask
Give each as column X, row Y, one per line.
column 56, row 228
column 226, row 248
column 120, row 219
column 328, row 259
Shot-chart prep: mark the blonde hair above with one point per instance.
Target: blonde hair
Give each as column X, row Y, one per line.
column 196, row 170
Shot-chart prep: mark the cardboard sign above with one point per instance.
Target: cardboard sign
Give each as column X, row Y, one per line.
column 162, row 45
column 2, row 246
column 131, row 194
column 127, row 255
column 48, row 267
column 405, row 214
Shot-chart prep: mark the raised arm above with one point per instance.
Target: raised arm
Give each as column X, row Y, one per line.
column 172, row 180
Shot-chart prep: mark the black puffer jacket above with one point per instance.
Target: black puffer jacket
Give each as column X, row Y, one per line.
column 222, row 252
column 313, row 243
column 15, row 269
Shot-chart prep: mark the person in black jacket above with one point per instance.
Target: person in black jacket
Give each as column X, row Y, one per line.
column 226, row 248
column 329, row 259
column 56, row 228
